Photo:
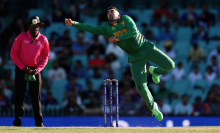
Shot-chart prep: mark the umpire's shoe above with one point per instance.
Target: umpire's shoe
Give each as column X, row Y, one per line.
column 39, row 125
column 17, row 123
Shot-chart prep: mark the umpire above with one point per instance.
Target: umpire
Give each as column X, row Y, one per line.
column 30, row 53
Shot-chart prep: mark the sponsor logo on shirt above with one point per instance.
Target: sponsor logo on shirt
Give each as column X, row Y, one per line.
column 38, row 43
column 118, row 33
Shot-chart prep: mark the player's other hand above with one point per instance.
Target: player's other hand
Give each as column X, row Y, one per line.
column 68, row 22
column 113, row 39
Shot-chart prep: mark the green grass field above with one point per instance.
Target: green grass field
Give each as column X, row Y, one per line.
column 109, row 130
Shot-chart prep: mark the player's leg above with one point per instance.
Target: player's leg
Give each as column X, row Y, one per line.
column 20, row 87
column 35, row 93
column 164, row 62
column 139, row 73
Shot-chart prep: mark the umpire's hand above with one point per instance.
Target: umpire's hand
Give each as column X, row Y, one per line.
column 34, row 72
column 26, row 70
column 69, row 22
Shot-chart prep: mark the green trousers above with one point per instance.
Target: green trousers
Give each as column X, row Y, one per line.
column 139, row 73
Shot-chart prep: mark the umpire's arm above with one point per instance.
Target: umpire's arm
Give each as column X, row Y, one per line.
column 45, row 56
column 15, row 50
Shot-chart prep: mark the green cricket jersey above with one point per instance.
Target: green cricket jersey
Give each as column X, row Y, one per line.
column 130, row 39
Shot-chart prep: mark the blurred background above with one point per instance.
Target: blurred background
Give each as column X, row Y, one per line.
column 186, row 30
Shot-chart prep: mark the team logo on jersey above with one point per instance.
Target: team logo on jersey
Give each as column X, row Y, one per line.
column 113, row 28
column 123, row 23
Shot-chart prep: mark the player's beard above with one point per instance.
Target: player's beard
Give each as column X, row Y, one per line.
column 112, row 18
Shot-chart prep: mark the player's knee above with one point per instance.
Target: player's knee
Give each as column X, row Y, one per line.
column 171, row 65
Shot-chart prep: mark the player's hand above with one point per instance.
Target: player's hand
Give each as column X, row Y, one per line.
column 113, row 39
column 34, row 72
column 69, row 22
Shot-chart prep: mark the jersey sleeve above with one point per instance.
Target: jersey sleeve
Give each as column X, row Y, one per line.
column 99, row 30
column 131, row 27
column 45, row 56
column 15, row 50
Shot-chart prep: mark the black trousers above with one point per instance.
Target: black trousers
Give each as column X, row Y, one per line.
column 35, row 94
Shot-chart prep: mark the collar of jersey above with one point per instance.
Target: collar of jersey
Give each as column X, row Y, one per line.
column 119, row 20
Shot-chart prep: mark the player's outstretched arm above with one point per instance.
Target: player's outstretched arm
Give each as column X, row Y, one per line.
column 99, row 30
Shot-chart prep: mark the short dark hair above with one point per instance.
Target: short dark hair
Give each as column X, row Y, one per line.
column 112, row 7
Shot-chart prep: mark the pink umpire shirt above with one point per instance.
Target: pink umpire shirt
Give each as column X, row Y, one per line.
column 27, row 51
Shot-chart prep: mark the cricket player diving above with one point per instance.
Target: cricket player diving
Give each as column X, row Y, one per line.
column 122, row 31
